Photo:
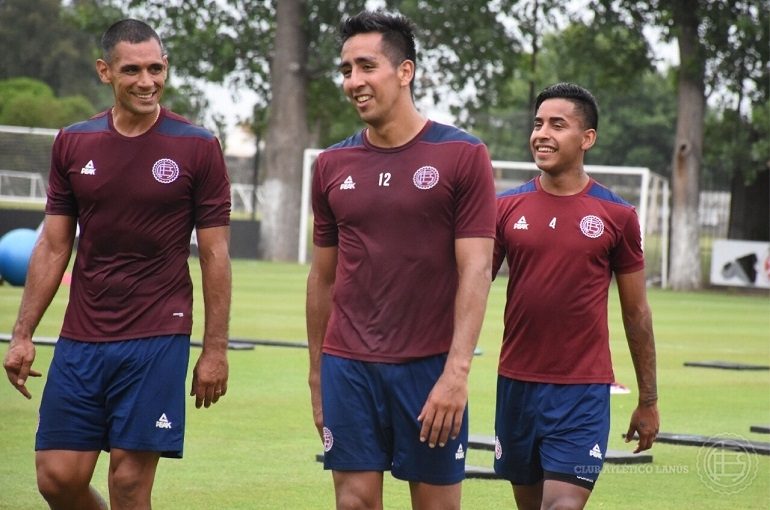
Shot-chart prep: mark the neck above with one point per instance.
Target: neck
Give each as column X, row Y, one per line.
column 396, row 131
column 131, row 124
column 565, row 183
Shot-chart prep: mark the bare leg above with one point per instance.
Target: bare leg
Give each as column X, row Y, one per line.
column 435, row 497
column 358, row 490
column 132, row 474
column 528, row 497
column 564, row 496
column 64, row 479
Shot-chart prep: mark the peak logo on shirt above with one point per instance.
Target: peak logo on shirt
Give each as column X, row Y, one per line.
column 165, row 171
column 348, row 184
column 521, row 224
column 89, row 169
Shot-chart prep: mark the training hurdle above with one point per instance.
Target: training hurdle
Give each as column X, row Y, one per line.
column 234, row 344
column 727, row 443
column 726, row 365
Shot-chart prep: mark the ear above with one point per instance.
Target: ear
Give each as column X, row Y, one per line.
column 406, row 72
column 103, row 70
column 589, row 139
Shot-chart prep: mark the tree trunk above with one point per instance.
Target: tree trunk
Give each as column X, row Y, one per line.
column 286, row 135
column 685, row 272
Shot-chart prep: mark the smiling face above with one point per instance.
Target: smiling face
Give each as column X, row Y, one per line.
column 370, row 80
column 137, row 74
column 560, row 137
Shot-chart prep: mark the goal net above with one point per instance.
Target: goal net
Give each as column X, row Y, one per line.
column 646, row 190
column 25, row 155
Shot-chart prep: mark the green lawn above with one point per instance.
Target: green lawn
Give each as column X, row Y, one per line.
column 256, row 448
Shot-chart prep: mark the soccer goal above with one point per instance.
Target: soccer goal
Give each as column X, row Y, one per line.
column 647, row 191
column 25, row 155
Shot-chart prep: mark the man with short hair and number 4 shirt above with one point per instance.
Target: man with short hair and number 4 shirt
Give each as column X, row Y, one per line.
column 403, row 234
column 564, row 236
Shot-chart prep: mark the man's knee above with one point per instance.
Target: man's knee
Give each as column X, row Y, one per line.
column 55, row 484
column 358, row 490
column 59, row 480
column 131, row 477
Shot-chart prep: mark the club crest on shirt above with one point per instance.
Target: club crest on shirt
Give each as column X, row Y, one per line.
column 425, row 177
column 592, row 226
column 165, row 171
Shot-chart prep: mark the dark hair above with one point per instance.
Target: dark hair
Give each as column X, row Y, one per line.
column 127, row 30
column 583, row 100
column 397, row 33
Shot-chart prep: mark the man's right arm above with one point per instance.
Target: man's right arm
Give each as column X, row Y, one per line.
column 320, row 289
column 46, row 267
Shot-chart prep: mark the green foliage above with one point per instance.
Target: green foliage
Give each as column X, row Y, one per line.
column 47, row 46
column 186, row 100
column 636, row 102
column 232, row 42
column 461, row 45
column 734, row 49
column 29, row 102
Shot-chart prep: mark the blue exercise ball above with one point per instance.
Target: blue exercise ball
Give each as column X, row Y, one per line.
column 15, row 252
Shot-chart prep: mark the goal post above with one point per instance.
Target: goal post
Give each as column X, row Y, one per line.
column 647, row 191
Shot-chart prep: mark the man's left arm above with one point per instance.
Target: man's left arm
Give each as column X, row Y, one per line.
column 442, row 414
column 637, row 322
column 211, row 370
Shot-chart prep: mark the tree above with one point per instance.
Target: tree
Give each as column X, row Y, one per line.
column 45, row 44
column 236, row 41
column 635, row 100
column 688, row 148
column 28, row 102
column 286, row 130
column 716, row 40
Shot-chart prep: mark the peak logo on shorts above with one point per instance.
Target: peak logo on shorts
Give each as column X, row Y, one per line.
column 165, row 171
column 163, row 422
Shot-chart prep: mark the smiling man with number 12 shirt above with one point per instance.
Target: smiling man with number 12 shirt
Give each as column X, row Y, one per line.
column 413, row 200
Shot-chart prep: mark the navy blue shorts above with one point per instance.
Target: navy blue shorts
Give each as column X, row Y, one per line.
column 128, row 394
column 551, row 431
column 370, row 420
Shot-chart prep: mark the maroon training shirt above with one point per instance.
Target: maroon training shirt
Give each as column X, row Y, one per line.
column 394, row 215
column 137, row 200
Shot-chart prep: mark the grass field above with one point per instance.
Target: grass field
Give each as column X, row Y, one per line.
column 256, row 448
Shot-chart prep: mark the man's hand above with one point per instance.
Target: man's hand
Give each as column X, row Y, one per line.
column 18, row 364
column 645, row 422
column 209, row 381
column 442, row 414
